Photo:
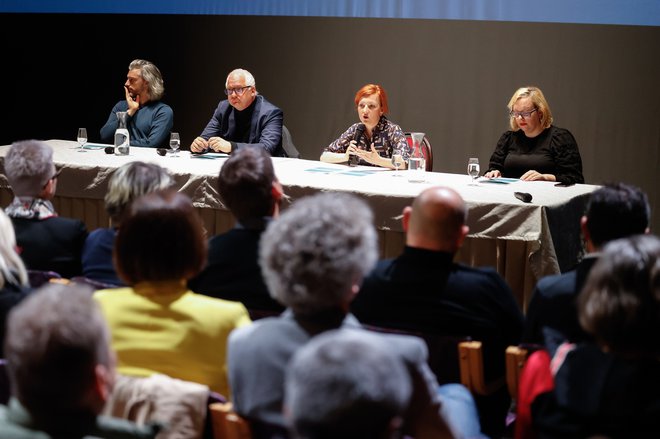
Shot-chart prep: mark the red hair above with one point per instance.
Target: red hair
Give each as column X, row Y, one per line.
column 373, row 89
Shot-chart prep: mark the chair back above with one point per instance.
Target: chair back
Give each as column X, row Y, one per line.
column 95, row 284
column 39, row 277
column 287, row 144
column 426, row 150
column 227, row 424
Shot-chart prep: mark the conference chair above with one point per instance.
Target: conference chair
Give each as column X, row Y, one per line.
column 39, row 277
column 426, row 150
column 227, row 424
column 287, row 143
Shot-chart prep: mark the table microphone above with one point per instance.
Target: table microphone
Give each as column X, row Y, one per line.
column 109, row 149
column 525, row 197
column 352, row 158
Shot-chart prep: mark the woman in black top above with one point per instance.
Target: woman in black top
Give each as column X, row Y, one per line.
column 534, row 149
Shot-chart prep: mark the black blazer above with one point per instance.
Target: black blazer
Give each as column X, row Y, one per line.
column 53, row 244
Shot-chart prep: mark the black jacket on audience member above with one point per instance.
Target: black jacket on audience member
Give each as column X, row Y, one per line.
column 232, row 271
column 51, row 244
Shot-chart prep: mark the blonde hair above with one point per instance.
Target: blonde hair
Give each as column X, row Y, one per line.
column 12, row 269
column 539, row 101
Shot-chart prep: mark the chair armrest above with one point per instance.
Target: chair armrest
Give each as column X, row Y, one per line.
column 227, row 424
column 471, row 359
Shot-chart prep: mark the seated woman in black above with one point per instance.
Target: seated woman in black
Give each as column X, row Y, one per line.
column 534, row 149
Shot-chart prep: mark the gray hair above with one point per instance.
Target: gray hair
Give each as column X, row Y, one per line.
column 29, row 166
column 317, row 250
column 152, row 75
column 12, row 268
column 131, row 181
column 55, row 339
column 344, row 384
column 247, row 76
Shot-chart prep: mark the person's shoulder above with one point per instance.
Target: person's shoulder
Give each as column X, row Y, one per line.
column 482, row 274
column 409, row 347
column 262, row 333
column 101, row 234
column 561, row 135
column 555, row 284
column 266, row 104
column 62, row 223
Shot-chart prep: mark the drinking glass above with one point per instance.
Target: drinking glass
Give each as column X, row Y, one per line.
column 397, row 161
column 473, row 170
column 82, row 138
column 175, row 142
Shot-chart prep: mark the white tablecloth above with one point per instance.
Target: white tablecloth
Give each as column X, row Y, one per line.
column 524, row 241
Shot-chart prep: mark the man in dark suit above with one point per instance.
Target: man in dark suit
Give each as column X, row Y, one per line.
column 614, row 211
column 245, row 118
column 249, row 189
column 45, row 240
column 424, row 290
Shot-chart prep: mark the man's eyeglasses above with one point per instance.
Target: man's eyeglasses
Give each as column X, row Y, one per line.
column 239, row 91
column 55, row 175
column 523, row 114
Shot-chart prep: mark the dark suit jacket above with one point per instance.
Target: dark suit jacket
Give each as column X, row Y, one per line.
column 53, row 244
column 233, row 271
column 424, row 290
column 552, row 312
column 265, row 129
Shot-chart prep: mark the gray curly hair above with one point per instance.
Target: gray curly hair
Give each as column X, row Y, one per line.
column 314, row 253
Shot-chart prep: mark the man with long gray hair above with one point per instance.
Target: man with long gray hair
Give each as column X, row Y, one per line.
column 149, row 120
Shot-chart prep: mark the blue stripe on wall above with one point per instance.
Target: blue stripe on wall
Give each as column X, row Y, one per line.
column 625, row 12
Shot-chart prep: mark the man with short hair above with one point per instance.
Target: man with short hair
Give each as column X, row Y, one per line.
column 346, row 384
column 149, row 120
column 244, row 119
column 614, row 211
column 61, row 369
column 249, row 188
column 425, row 290
column 45, row 240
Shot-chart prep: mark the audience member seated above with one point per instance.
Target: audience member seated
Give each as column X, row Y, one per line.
column 249, row 189
column 14, row 285
column 126, row 184
column 346, row 384
column 614, row 211
column 45, row 240
column 157, row 324
column 314, row 257
column 424, row 290
column 609, row 387
column 61, row 369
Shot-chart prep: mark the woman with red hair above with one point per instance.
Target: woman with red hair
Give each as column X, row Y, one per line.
column 374, row 139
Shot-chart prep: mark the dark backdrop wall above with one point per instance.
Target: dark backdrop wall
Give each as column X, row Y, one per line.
column 450, row 79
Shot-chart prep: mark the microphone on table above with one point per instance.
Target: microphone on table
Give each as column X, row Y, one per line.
column 352, row 158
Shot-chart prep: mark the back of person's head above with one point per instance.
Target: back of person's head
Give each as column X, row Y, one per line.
column 130, row 181
column 245, row 183
column 620, row 302
column 437, row 220
column 57, row 348
column 12, row 269
column 373, row 90
column 151, row 74
column 615, row 211
column 341, row 385
column 160, row 239
column 29, row 167
column 317, row 250
column 540, row 103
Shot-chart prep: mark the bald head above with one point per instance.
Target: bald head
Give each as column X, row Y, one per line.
column 436, row 220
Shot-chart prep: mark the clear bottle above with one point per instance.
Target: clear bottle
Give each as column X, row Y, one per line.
column 122, row 141
column 416, row 161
